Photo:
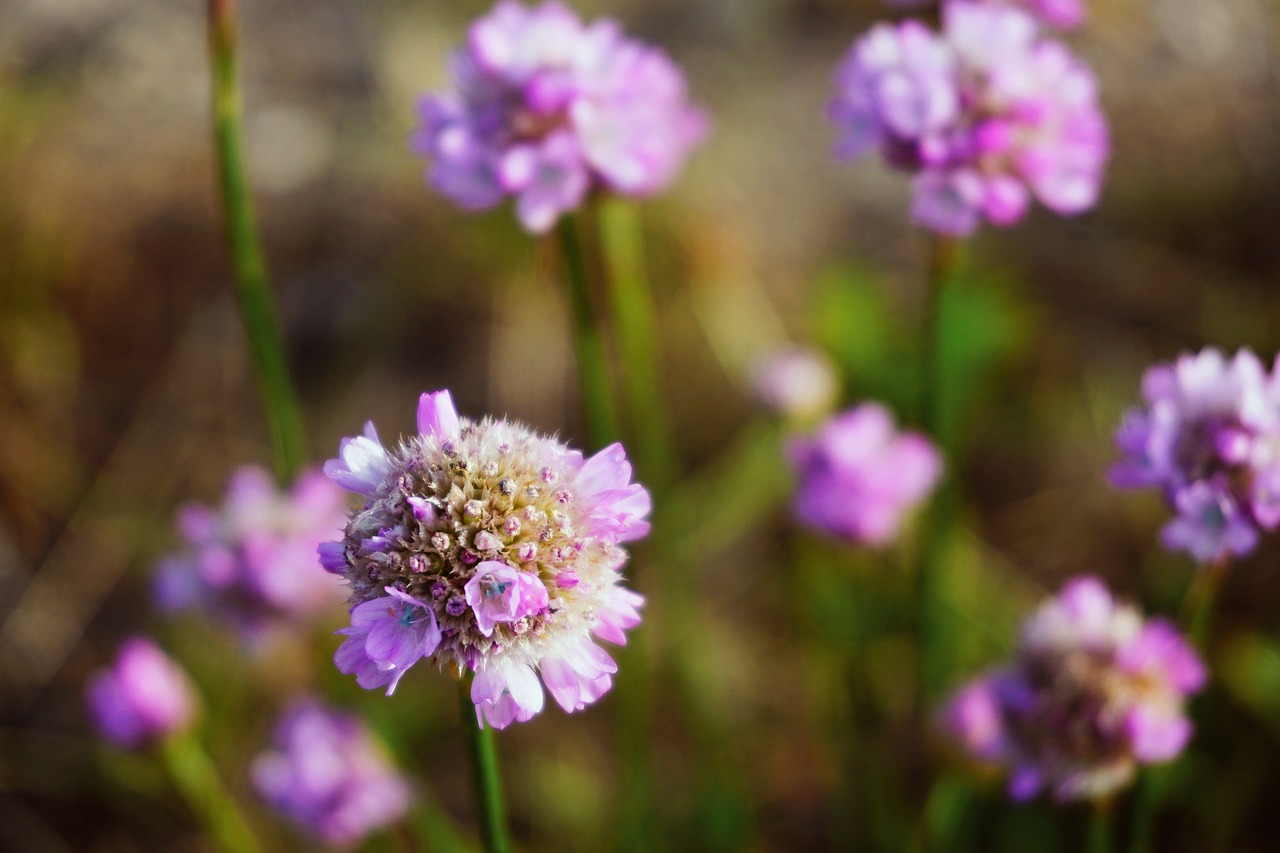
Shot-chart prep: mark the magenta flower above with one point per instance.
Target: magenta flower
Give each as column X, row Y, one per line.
column 859, row 476
column 142, row 698
column 1093, row 691
column 329, row 775
column 253, row 560
column 545, row 108
column 986, row 114
column 1209, row 439
column 493, row 548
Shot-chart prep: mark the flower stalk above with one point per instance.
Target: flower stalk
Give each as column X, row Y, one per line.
column 488, row 781
column 593, row 366
column 253, row 294
column 195, row 775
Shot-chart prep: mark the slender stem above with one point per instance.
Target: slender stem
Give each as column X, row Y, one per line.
column 593, row 367
column 195, row 775
column 488, row 781
column 1100, row 828
column 936, row 416
column 636, row 327
column 257, row 307
column 1196, row 615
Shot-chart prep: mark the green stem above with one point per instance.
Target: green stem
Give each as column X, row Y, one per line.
column 636, row 327
column 195, row 775
column 257, row 307
column 488, row 781
column 593, row 366
column 1196, row 615
column 1100, row 829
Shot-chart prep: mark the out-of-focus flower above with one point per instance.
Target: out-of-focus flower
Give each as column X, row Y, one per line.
column 544, row 108
column 1061, row 14
column 142, row 698
column 796, row 382
column 490, row 547
column 859, row 476
column 986, row 114
column 1209, row 439
column 253, row 561
column 1093, row 691
column 329, row 775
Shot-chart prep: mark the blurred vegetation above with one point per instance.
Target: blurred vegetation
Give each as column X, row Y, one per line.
column 125, row 390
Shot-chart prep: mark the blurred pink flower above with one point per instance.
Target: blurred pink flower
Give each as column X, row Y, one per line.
column 143, row 697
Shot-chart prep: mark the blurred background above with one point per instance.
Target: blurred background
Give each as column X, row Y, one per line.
column 125, row 390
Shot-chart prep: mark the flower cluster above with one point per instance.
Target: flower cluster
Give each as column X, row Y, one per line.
column 1093, row 691
column 544, row 108
column 329, row 775
column 490, row 546
column 1061, row 14
column 986, row 114
column 859, row 476
column 253, row 561
column 1209, row 439
column 142, row 698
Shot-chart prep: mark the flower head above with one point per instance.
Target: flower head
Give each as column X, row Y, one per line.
column 253, row 560
column 329, row 775
column 986, row 115
column 544, row 108
column 143, row 697
column 1209, row 439
column 859, row 476
column 1093, row 691
column 796, row 382
column 494, row 548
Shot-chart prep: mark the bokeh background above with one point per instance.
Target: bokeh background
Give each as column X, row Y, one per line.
column 125, row 390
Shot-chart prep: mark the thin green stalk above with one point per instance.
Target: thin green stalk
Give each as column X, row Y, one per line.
column 1196, row 615
column 195, row 775
column 1100, row 830
column 257, row 307
column 636, row 327
column 488, row 781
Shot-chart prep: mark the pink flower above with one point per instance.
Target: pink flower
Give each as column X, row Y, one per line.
column 496, row 549
column 143, row 697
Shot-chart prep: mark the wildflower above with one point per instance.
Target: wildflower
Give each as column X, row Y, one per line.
column 329, row 775
column 142, row 698
column 253, row 561
column 1209, row 439
column 544, row 109
column 1093, row 691
column 796, row 382
column 1060, row 14
column 985, row 114
column 493, row 548
column 859, row 477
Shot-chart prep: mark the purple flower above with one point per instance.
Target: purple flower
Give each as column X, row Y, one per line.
column 329, row 775
column 986, row 114
column 1209, row 439
column 544, row 108
column 1093, row 691
column 496, row 549
column 253, row 561
column 859, row 477
column 387, row 636
column 796, row 382
column 145, row 696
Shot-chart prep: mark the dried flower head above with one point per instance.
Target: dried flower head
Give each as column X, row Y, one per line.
column 545, row 108
column 142, row 698
column 329, row 775
column 490, row 547
column 1094, row 690
column 253, row 560
column 1209, row 439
